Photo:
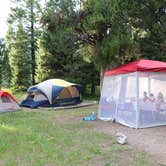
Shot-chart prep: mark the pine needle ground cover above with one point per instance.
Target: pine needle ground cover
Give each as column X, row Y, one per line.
column 60, row 138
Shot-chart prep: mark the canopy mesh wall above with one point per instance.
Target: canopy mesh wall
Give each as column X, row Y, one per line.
column 136, row 99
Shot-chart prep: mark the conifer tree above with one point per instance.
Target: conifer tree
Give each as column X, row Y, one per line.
column 32, row 10
column 20, row 60
column 56, row 44
column 28, row 11
column 5, row 73
column 1, row 61
column 43, row 58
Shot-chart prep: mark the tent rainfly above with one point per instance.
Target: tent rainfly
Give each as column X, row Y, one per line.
column 52, row 93
column 7, row 102
column 134, row 94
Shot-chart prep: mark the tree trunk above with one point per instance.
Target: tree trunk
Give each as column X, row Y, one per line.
column 93, row 88
column 32, row 45
column 101, row 78
column 83, row 90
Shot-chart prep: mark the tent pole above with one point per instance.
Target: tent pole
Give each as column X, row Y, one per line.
column 137, row 100
column 149, row 85
column 116, row 106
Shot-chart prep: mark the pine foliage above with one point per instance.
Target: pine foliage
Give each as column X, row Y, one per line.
column 20, row 60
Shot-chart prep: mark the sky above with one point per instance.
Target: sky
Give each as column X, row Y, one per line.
column 4, row 11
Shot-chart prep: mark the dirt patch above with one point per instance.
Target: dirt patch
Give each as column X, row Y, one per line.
column 151, row 140
column 98, row 161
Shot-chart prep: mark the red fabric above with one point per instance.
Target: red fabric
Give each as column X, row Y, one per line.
column 140, row 65
column 8, row 95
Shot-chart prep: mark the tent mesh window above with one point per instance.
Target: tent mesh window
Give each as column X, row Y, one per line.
column 5, row 99
column 118, row 99
column 152, row 99
column 30, row 96
column 73, row 91
column 39, row 97
column 65, row 93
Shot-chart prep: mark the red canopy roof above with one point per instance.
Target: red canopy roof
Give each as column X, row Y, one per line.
column 140, row 65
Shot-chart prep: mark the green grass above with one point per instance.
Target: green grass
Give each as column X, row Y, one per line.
column 60, row 138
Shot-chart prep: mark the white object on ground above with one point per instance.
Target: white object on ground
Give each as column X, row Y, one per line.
column 121, row 138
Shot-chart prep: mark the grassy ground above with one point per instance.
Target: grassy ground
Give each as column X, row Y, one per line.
column 60, row 138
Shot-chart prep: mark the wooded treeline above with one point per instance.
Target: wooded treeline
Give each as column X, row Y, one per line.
column 77, row 40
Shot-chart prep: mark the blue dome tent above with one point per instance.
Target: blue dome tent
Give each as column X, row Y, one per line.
column 52, row 93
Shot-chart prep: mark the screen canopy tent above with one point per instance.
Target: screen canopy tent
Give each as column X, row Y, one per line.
column 7, row 102
column 52, row 93
column 134, row 94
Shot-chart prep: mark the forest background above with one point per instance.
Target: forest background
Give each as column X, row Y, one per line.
column 77, row 40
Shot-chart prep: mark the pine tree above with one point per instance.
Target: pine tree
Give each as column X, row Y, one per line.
column 148, row 21
column 28, row 11
column 1, row 60
column 43, row 70
column 32, row 10
column 56, row 45
column 103, row 25
column 5, row 72
column 20, row 60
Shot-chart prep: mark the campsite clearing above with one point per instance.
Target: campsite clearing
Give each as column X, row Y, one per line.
column 42, row 137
